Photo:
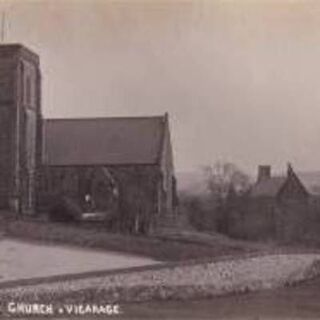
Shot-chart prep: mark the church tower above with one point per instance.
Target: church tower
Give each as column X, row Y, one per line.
column 20, row 127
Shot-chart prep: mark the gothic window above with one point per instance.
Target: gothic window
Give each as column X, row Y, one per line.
column 4, row 88
column 28, row 90
column 62, row 177
column 30, row 138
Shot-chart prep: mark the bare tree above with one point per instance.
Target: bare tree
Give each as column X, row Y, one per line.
column 223, row 178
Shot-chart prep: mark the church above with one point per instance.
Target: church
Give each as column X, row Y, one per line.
column 119, row 167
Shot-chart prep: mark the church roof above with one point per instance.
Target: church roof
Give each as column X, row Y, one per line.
column 108, row 141
column 269, row 187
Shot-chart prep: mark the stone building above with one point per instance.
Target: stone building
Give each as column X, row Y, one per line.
column 20, row 123
column 275, row 207
column 120, row 167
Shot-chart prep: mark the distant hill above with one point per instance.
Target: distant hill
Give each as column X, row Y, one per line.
column 193, row 182
column 311, row 180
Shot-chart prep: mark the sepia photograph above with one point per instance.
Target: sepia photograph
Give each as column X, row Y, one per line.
column 159, row 159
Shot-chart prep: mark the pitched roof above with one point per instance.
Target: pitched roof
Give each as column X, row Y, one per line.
column 269, row 187
column 109, row 141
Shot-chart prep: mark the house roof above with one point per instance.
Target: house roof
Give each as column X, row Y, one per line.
column 109, row 141
column 269, row 187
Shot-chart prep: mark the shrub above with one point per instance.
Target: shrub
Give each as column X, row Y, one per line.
column 203, row 213
column 64, row 209
column 162, row 249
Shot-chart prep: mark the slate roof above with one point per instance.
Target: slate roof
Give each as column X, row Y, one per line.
column 269, row 187
column 108, row 141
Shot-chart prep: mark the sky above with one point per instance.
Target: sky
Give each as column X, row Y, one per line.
column 240, row 79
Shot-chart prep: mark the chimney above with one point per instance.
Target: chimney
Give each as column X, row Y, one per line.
column 290, row 171
column 264, row 173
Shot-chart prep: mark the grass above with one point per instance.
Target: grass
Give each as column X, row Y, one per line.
column 297, row 302
column 172, row 245
column 163, row 248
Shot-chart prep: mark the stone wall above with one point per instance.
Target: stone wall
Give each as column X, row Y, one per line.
column 7, row 125
column 268, row 218
column 20, row 113
column 166, row 164
column 30, row 135
column 6, row 161
column 252, row 218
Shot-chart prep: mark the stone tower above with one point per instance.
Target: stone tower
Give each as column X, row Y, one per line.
column 20, row 127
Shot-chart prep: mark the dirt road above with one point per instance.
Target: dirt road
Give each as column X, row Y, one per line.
column 20, row 259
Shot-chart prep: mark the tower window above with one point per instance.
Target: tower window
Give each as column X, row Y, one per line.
column 28, row 90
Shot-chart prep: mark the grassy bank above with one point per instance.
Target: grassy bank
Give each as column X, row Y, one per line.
column 296, row 302
column 161, row 248
column 182, row 282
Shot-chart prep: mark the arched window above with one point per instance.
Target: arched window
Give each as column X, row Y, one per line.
column 28, row 90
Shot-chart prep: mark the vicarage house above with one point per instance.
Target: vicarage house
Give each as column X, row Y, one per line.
column 280, row 207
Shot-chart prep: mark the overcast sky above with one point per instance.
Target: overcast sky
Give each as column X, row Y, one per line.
column 240, row 79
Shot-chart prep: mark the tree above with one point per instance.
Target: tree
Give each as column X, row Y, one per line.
column 225, row 182
column 223, row 178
